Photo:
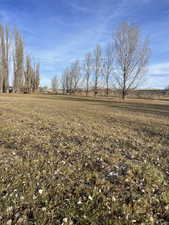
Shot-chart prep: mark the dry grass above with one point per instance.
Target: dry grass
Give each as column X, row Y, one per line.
column 70, row 160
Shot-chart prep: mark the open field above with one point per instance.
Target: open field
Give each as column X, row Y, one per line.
column 71, row 160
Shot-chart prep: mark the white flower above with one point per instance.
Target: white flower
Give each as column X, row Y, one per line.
column 90, row 198
column 34, row 197
column 113, row 174
column 167, row 207
column 9, row 209
column 127, row 216
column 113, row 199
column 9, row 222
column 65, row 220
column 151, row 219
column 22, row 198
column 44, row 209
column 40, row 191
column 79, row 202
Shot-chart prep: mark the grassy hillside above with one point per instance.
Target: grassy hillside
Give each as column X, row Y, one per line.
column 70, row 160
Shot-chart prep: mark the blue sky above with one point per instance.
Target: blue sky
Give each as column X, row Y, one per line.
column 56, row 32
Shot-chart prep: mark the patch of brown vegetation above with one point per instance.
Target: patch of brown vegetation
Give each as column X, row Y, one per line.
column 72, row 160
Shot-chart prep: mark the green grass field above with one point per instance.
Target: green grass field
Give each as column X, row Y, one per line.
column 83, row 161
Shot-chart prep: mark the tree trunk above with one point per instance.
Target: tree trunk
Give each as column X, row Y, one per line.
column 87, row 89
column 107, row 90
column 124, row 85
column 123, row 94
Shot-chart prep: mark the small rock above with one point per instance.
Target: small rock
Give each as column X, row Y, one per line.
column 17, row 215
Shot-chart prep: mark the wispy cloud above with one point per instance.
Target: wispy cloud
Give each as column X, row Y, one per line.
column 79, row 6
column 159, row 69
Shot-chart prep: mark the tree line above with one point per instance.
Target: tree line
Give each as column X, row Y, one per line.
column 121, row 64
column 16, row 63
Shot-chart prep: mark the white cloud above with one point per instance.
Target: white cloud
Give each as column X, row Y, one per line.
column 159, row 69
column 157, row 76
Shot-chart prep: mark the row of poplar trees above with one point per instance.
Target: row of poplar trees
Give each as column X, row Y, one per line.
column 121, row 65
column 15, row 64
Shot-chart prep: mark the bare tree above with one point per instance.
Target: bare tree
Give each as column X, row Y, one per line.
column 63, row 82
column 1, row 57
column 132, row 56
column 87, row 70
column 66, row 81
column 18, row 63
column 108, row 66
column 54, row 83
column 26, row 77
column 97, row 67
column 71, row 78
column 28, row 74
column 37, row 77
column 4, row 58
column 75, row 75
column 31, row 76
